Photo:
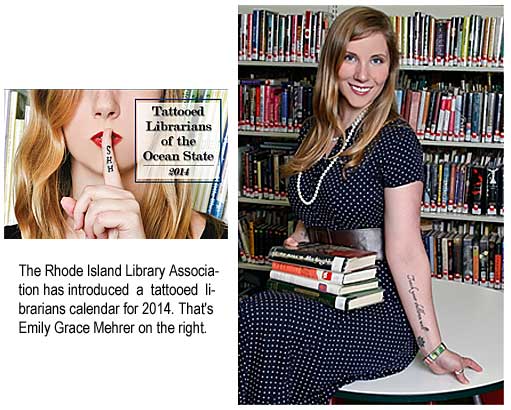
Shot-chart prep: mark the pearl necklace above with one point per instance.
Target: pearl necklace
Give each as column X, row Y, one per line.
column 354, row 127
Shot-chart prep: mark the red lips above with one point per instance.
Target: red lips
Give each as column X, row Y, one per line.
column 97, row 138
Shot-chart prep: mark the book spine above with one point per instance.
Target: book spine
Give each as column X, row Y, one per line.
column 326, row 287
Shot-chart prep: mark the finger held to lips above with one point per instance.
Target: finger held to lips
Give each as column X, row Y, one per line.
column 111, row 173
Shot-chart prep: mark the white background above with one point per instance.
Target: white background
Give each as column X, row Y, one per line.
column 101, row 44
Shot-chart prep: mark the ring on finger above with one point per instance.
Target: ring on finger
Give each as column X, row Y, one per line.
column 458, row 372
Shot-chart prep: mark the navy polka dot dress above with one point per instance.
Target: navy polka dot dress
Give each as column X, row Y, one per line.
column 293, row 350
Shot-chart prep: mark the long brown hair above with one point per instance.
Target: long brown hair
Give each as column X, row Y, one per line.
column 353, row 24
column 42, row 174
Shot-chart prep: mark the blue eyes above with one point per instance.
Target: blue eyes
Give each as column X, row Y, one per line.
column 351, row 58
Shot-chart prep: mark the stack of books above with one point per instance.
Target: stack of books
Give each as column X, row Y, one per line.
column 341, row 277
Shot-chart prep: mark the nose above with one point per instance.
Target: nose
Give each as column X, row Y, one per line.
column 361, row 73
column 106, row 105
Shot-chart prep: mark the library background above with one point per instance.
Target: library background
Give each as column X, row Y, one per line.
column 450, row 90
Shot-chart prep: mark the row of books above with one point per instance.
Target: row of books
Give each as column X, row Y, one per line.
column 468, row 253
column 468, row 41
column 260, row 169
column 453, row 116
column 457, row 182
column 340, row 277
column 273, row 105
column 461, row 183
column 259, row 230
column 211, row 198
column 440, row 112
column 264, row 35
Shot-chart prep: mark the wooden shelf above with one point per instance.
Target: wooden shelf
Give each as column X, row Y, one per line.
column 462, row 217
column 268, row 134
column 485, row 145
column 402, row 67
column 429, row 143
column 277, row 202
column 427, row 215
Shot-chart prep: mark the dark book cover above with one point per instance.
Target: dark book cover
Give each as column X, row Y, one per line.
column 435, row 126
column 483, row 260
column 467, row 258
column 457, row 257
column 491, row 259
column 498, row 115
column 468, row 115
column 440, row 41
column 339, row 302
column 498, row 262
column 439, row 255
column 500, row 190
column 255, row 35
column 476, row 117
column 270, row 34
column 434, row 183
column 450, row 256
column 431, row 109
column 477, row 189
column 492, row 188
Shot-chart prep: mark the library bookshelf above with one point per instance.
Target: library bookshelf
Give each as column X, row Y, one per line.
column 488, row 77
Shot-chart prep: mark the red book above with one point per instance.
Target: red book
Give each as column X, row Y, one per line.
column 307, row 35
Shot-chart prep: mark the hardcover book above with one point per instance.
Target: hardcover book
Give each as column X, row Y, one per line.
column 350, row 302
column 324, row 256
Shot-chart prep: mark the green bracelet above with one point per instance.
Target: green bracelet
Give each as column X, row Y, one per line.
column 430, row 358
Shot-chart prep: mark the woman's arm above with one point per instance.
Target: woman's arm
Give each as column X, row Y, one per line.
column 410, row 269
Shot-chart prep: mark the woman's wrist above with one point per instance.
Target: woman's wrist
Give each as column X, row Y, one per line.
column 435, row 353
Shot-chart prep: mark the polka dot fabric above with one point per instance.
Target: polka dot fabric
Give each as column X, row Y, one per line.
column 294, row 350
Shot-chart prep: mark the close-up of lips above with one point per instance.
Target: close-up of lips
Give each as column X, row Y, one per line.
column 359, row 90
column 98, row 138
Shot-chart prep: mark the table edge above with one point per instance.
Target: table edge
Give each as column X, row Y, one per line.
column 414, row 398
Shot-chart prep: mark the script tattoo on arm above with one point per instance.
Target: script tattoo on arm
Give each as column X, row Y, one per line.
column 413, row 290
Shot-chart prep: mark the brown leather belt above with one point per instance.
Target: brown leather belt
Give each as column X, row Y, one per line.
column 369, row 239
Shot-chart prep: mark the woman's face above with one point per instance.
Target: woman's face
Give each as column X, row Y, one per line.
column 364, row 71
column 100, row 109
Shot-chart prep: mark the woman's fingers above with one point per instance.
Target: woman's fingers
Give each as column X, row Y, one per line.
column 99, row 206
column 92, row 193
column 127, row 224
column 468, row 362
column 291, row 243
column 111, row 173
column 68, row 204
column 461, row 377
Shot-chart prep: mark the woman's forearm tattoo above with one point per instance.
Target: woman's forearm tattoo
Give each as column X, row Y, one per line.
column 421, row 342
column 413, row 290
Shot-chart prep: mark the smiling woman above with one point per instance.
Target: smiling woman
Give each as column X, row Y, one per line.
column 74, row 172
column 356, row 176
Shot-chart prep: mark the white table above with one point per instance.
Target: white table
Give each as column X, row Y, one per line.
column 471, row 323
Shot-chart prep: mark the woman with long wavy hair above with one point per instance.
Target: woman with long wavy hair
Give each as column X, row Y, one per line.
column 356, row 178
column 64, row 189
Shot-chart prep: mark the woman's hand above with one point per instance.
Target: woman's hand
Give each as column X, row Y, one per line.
column 451, row 362
column 106, row 211
column 299, row 235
